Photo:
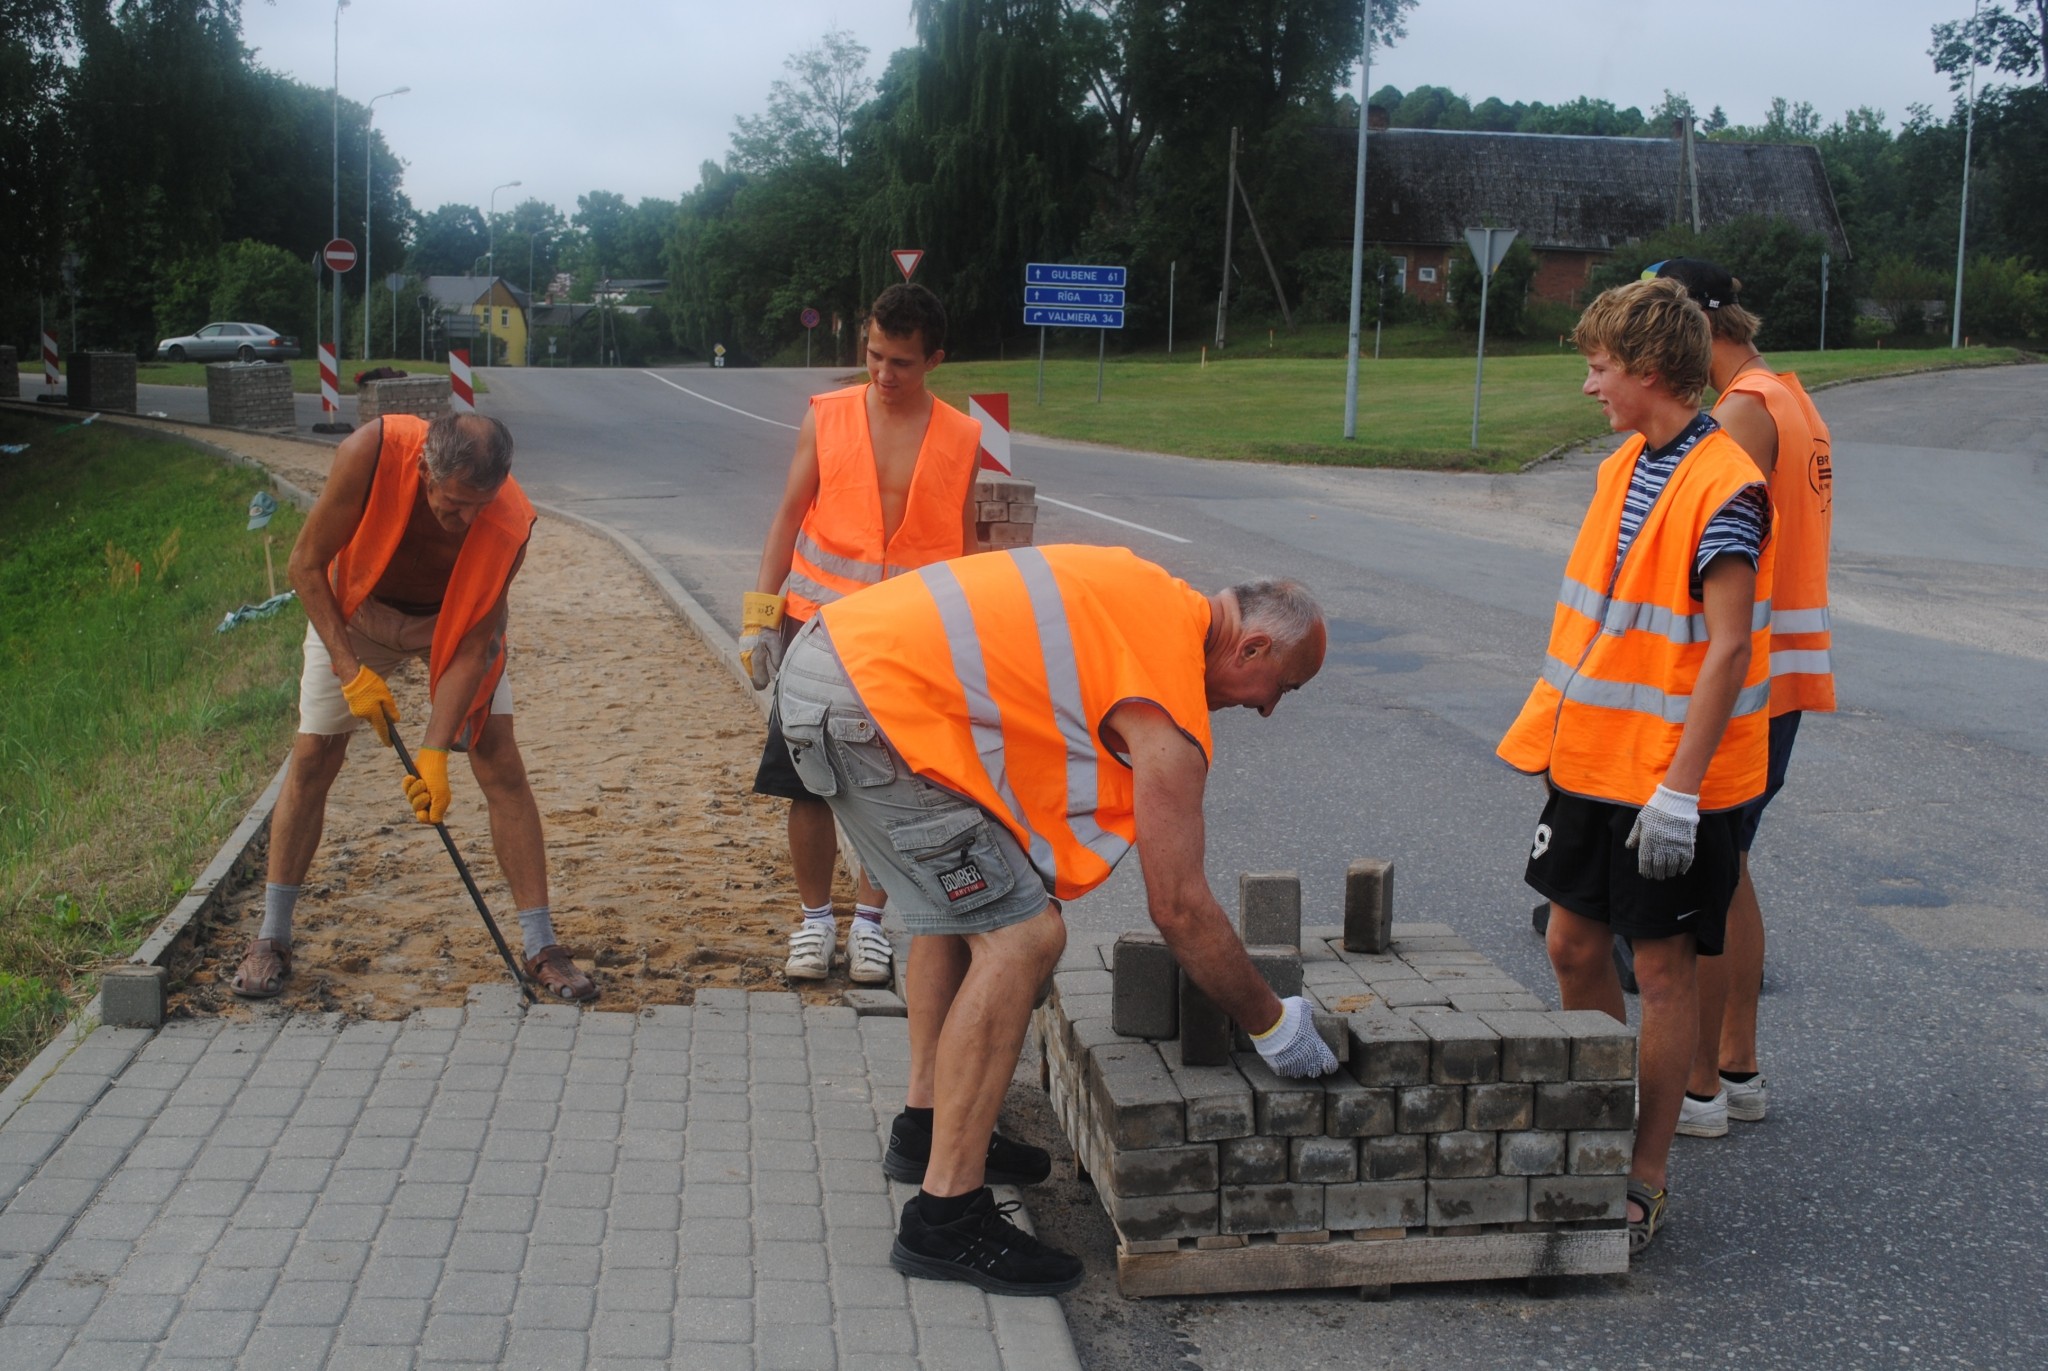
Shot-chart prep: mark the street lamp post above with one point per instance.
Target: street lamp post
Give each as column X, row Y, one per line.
column 491, row 224
column 1955, row 315
column 368, row 199
column 331, row 423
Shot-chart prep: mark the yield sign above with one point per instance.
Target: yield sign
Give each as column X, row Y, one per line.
column 340, row 255
column 907, row 259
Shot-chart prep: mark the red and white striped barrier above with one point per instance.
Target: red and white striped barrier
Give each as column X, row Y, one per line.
column 330, row 383
column 461, row 389
column 992, row 412
column 49, row 361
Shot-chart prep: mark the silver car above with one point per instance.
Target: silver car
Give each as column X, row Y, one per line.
column 229, row 342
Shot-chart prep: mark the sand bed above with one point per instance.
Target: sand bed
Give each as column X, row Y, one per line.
column 667, row 873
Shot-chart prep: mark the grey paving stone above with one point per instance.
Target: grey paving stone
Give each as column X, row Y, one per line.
column 629, row 1334
column 560, row 1264
column 228, row 1288
column 569, row 1307
column 96, row 1355
column 372, row 1358
column 490, row 1252
column 374, row 1322
column 959, row 1348
column 535, row 1349
column 283, row 1348
column 258, row 1249
column 32, row 1347
column 387, row 1277
column 208, row 1333
column 52, row 1301
column 311, row 1304
column 797, row 1347
column 638, row 1289
column 475, row 1338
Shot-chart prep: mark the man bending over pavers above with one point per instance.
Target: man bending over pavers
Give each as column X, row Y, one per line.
column 882, row 482
column 1770, row 414
column 408, row 554
column 994, row 734
column 1650, row 717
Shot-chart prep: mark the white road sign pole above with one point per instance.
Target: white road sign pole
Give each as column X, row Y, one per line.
column 1489, row 246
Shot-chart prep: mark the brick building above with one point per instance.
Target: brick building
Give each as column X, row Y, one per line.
column 1574, row 198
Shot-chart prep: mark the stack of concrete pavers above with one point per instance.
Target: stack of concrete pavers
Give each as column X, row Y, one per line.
column 1469, row 1133
column 250, row 395
column 1008, row 513
column 100, row 381
column 428, row 397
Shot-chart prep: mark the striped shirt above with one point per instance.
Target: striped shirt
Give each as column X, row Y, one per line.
column 1738, row 528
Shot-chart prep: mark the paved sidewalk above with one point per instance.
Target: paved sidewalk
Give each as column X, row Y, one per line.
column 691, row 1187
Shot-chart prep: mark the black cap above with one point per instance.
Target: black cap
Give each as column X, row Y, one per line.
column 1710, row 286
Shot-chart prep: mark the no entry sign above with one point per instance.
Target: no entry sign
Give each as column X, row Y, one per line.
column 340, row 255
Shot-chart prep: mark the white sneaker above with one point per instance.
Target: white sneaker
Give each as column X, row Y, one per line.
column 1708, row 1119
column 868, row 953
column 810, row 951
column 1747, row 1099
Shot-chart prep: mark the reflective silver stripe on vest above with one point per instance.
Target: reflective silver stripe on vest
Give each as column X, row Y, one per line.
column 1802, row 620
column 984, row 718
column 1063, row 683
column 1619, row 616
column 1641, row 699
column 1812, row 662
column 852, row 568
column 800, row 584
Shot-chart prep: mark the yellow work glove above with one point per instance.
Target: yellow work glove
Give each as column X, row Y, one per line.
column 369, row 699
column 428, row 791
column 761, row 637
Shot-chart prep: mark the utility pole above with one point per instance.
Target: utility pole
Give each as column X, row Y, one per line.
column 368, row 194
column 1358, row 239
column 1955, row 328
column 1229, row 224
column 335, row 227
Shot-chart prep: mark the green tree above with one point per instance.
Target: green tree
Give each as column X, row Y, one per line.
column 2015, row 43
column 813, row 115
column 34, row 154
column 1902, row 289
column 264, row 284
column 447, row 242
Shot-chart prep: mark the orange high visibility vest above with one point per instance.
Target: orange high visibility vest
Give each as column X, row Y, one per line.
column 840, row 548
column 489, row 552
column 1802, row 490
column 1627, row 642
column 992, row 676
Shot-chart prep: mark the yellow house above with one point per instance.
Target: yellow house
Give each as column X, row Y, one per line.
column 486, row 314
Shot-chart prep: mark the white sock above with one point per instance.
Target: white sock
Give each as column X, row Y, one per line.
column 278, row 903
column 537, row 929
column 871, row 912
column 822, row 914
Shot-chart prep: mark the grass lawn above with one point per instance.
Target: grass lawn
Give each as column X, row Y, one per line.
column 305, row 373
column 134, row 736
column 1412, row 412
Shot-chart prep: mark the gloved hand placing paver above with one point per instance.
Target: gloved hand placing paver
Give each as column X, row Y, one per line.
column 761, row 637
column 1292, row 1047
column 1663, row 834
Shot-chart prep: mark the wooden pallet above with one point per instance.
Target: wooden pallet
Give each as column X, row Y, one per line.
column 1285, row 1262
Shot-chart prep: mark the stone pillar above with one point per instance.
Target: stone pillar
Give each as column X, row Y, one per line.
column 102, row 381
column 250, row 395
column 1009, row 512
column 425, row 396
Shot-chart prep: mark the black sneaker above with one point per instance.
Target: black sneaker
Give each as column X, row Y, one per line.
column 982, row 1248
column 1009, row 1161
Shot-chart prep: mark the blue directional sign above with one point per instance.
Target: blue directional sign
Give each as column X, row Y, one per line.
column 1061, row 274
column 1049, row 316
column 1077, row 299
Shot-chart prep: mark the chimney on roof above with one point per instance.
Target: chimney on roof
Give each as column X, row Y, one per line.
column 1377, row 120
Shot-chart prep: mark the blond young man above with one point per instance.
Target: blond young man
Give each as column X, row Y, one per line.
column 1648, row 717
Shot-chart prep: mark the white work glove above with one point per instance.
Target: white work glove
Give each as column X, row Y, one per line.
column 1292, row 1047
column 761, row 637
column 1663, row 835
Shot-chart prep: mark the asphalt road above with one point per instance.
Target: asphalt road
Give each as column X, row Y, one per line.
column 1891, row 1210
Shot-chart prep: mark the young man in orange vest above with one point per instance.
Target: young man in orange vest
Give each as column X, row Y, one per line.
column 1649, row 718
column 408, row 555
column 1770, row 414
column 995, row 734
column 882, row 482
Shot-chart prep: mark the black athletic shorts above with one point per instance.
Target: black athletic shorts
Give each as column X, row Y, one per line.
column 1784, row 730
column 777, row 775
column 1580, row 859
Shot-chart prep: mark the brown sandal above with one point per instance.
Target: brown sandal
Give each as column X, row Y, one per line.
column 557, row 973
column 263, row 970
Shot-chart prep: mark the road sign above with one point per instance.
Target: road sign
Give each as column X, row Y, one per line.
column 340, row 255
column 718, row 355
column 1063, row 274
column 809, row 318
column 1050, row 316
column 992, row 412
column 1088, row 298
column 395, row 282
column 1489, row 246
column 906, row 259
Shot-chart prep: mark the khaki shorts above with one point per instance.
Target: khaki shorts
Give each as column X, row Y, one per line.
column 384, row 639
column 949, row 869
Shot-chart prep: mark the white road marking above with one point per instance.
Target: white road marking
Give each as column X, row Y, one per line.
column 1045, row 499
column 1042, row 498
column 697, row 395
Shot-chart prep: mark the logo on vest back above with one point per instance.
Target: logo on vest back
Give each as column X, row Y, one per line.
column 962, row 881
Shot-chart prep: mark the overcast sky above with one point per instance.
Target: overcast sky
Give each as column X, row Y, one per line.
column 633, row 95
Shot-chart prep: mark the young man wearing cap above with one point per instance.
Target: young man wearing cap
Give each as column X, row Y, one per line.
column 1648, row 720
column 1770, row 414
column 882, row 482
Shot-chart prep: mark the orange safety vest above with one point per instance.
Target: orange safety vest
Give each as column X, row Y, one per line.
column 1627, row 642
column 1802, row 490
column 489, row 552
column 992, row 676
column 840, row 547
